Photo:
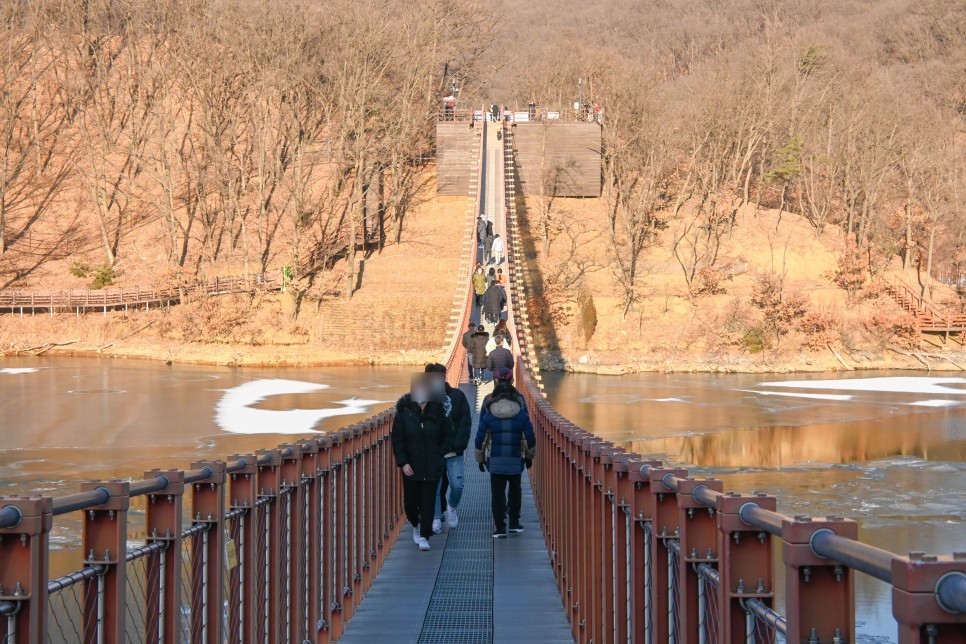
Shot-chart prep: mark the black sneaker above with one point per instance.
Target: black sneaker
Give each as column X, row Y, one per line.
column 499, row 534
column 516, row 529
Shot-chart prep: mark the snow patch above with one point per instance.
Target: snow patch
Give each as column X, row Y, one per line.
column 935, row 403
column 15, row 371
column 798, row 395
column 902, row 384
column 235, row 413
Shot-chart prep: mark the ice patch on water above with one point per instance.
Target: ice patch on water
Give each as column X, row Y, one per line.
column 900, row 384
column 235, row 412
column 16, row 371
column 798, row 395
column 935, row 403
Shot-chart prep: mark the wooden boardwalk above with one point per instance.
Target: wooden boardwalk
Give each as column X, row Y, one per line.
column 24, row 300
column 470, row 588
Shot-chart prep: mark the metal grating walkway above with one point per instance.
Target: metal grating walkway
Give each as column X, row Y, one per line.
column 470, row 588
column 461, row 608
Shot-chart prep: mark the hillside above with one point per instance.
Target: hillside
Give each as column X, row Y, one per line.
column 398, row 315
column 729, row 324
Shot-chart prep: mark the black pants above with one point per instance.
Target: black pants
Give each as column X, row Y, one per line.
column 498, row 488
column 419, row 501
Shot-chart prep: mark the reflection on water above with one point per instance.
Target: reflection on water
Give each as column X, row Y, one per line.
column 64, row 420
column 889, row 453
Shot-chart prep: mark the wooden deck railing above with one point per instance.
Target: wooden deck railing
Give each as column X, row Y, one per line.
column 15, row 299
column 925, row 312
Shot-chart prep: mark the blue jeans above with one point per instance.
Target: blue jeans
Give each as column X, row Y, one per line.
column 455, row 469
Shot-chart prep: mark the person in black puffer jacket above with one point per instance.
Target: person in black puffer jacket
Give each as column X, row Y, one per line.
column 422, row 434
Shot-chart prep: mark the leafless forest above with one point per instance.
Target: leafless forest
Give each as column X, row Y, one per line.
column 851, row 113
column 248, row 130
column 236, row 124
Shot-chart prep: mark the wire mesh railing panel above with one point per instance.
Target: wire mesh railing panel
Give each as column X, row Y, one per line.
column 709, row 612
column 234, row 574
column 262, row 573
column 144, row 588
column 285, row 558
column 673, row 590
column 763, row 625
column 193, row 582
column 302, row 592
column 70, row 598
column 648, row 601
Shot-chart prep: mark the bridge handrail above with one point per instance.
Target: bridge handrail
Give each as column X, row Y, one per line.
column 327, row 509
column 593, row 475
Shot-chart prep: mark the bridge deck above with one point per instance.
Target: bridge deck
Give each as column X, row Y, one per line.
column 470, row 587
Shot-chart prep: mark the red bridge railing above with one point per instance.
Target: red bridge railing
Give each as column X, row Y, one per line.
column 644, row 553
column 274, row 547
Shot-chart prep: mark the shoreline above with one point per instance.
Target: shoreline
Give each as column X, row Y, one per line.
column 300, row 356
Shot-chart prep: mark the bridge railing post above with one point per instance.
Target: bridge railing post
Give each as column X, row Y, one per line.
column 587, row 525
column 24, row 551
column 208, row 508
column 819, row 592
column 635, row 488
column 367, row 547
column 294, row 591
column 698, row 538
column 350, row 445
column 663, row 504
column 615, row 601
column 268, row 628
column 312, row 543
column 917, row 581
column 162, row 613
column 105, row 545
column 243, row 491
column 746, row 564
column 336, row 532
column 326, row 528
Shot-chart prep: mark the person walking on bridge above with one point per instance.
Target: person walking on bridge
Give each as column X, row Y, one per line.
column 480, row 229
column 497, row 250
column 467, row 342
column 500, row 357
column 422, row 433
column 478, row 352
column 494, row 301
column 488, row 247
column 452, row 479
column 479, row 284
column 504, row 428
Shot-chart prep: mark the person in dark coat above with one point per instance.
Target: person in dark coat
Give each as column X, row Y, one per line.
column 422, row 434
column 500, row 357
column 504, row 426
column 478, row 352
column 481, row 229
column 494, row 301
column 488, row 248
column 451, row 484
column 466, row 341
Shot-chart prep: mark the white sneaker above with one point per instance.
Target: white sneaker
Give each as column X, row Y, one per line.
column 416, row 536
column 452, row 519
column 437, row 527
column 423, row 545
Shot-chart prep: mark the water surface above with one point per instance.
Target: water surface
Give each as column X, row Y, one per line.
column 888, row 449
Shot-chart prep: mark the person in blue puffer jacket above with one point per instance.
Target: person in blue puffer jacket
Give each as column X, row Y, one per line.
column 504, row 429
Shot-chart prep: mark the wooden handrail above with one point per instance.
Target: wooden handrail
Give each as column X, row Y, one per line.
column 22, row 298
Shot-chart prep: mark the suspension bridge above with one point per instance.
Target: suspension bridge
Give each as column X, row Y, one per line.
column 298, row 543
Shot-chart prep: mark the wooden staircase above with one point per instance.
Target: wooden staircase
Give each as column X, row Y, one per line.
column 927, row 317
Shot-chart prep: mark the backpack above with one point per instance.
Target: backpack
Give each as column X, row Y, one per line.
column 505, row 405
column 489, row 228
